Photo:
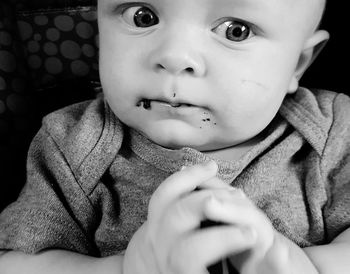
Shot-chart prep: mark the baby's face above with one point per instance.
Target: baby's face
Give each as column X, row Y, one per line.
column 207, row 74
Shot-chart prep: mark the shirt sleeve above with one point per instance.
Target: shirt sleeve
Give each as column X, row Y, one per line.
column 336, row 164
column 52, row 210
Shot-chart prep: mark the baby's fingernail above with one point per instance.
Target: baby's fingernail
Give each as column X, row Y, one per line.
column 214, row 201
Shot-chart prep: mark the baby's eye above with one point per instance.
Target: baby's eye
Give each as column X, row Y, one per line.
column 236, row 31
column 139, row 16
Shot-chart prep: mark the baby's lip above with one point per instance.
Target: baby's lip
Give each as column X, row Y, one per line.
column 146, row 103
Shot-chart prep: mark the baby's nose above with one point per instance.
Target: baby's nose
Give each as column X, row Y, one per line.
column 178, row 56
column 180, row 64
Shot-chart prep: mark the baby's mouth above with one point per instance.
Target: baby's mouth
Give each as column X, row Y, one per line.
column 147, row 104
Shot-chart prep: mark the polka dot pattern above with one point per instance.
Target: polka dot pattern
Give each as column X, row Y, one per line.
column 64, row 22
column 60, row 44
column 25, row 30
column 5, row 38
column 50, row 48
column 50, row 4
column 53, row 65
column 14, row 103
column 43, row 43
column 41, row 20
column 34, row 61
column 70, row 49
column 2, row 83
column 53, row 34
column 8, row 61
column 15, row 99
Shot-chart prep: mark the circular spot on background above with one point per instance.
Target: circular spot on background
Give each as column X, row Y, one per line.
column 53, row 65
column 80, row 68
column 25, row 30
column 33, row 46
column 89, row 15
column 2, row 107
column 37, row 36
column 88, row 50
column 16, row 103
column 2, row 83
column 19, row 85
column 53, row 34
column 8, row 61
column 70, row 49
column 50, row 48
column 64, row 22
column 5, row 38
column 41, row 20
column 84, row 30
column 34, row 61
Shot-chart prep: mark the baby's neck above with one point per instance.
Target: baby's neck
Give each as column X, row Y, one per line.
column 233, row 153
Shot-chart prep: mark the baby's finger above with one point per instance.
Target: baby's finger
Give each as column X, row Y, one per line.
column 241, row 212
column 187, row 213
column 215, row 183
column 178, row 184
column 277, row 258
column 182, row 218
column 197, row 251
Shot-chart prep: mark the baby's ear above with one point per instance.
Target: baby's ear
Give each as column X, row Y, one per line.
column 312, row 48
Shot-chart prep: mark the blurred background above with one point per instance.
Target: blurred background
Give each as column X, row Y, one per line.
column 331, row 68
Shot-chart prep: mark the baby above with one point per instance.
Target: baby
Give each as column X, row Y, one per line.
column 204, row 149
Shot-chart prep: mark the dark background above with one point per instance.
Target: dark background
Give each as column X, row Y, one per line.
column 331, row 69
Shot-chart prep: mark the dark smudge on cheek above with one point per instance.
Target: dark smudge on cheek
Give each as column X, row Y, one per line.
column 253, row 82
column 207, row 120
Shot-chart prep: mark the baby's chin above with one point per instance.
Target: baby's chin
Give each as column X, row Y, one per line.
column 176, row 137
column 177, row 140
column 172, row 141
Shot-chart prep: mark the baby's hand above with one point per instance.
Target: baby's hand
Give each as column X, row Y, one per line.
column 271, row 253
column 170, row 241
